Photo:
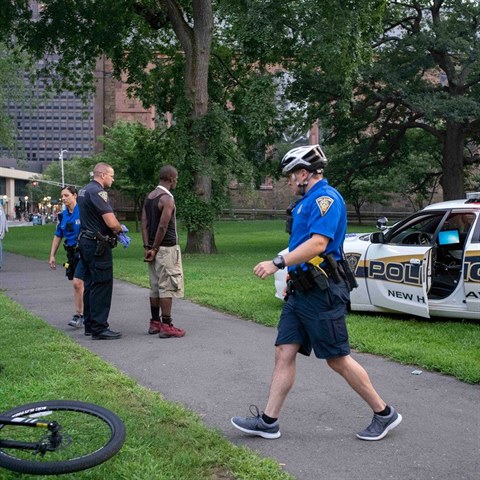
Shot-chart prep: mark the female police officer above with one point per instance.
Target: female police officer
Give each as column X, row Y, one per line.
column 313, row 316
column 69, row 228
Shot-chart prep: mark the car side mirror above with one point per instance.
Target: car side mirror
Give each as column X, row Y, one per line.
column 382, row 223
column 377, row 237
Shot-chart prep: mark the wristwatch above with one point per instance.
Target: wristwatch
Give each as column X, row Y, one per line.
column 279, row 262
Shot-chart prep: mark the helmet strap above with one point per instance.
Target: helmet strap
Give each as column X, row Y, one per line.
column 303, row 186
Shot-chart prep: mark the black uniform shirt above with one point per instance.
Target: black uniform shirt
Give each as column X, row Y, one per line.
column 93, row 203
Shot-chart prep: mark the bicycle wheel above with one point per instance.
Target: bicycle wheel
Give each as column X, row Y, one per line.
column 90, row 436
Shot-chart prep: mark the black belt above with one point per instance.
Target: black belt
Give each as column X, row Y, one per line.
column 88, row 235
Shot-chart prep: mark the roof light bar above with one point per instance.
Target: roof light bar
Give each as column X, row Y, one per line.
column 473, row 196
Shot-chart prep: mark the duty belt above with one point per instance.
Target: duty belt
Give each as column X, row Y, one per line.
column 304, row 280
column 88, row 235
column 70, row 248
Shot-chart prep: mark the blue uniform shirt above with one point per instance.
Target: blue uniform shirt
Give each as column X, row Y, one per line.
column 320, row 211
column 69, row 227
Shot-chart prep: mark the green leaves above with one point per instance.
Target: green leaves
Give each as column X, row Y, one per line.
column 12, row 66
column 424, row 78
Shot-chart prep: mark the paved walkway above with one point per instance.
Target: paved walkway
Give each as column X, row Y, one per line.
column 223, row 364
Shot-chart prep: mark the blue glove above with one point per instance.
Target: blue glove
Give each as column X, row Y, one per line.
column 124, row 240
column 124, row 228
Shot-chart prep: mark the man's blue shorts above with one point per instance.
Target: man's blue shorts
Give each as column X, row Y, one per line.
column 316, row 319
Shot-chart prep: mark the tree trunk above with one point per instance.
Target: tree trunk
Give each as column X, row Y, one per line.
column 138, row 204
column 202, row 241
column 196, row 43
column 358, row 213
column 452, row 180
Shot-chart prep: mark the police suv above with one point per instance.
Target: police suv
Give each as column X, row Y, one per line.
column 426, row 265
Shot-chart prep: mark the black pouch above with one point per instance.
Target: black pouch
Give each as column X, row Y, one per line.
column 320, row 279
column 348, row 275
column 112, row 241
column 302, row 280
column 289, row 221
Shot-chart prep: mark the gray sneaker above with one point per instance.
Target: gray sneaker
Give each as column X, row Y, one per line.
column 380, row 426
column 256, row 426
column 76, row 321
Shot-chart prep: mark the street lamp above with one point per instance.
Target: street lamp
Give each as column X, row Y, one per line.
column 26, row 204
column 60, row 157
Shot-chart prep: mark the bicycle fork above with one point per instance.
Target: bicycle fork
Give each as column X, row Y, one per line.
column 49, row 444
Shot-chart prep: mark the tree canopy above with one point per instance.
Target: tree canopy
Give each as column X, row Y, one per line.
column 424, row 77
column 12, row 65
column 215, row 64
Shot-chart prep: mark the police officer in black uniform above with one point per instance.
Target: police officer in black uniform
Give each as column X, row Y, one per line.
column 98, row 235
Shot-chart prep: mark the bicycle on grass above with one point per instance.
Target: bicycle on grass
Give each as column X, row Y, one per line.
column 58, row 436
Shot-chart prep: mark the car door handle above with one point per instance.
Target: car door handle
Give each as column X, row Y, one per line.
column 415, row 261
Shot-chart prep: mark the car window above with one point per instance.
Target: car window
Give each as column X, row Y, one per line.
column 460, row 221
column 457, row 225
column 417, row 230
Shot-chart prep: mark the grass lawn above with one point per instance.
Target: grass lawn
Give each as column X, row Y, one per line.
column 225, row 281
column 164, row 440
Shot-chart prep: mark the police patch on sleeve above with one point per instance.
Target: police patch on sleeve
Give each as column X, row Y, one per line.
column 324, row 204
column 103, row 195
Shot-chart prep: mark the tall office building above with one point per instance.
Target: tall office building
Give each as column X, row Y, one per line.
column 47, row 124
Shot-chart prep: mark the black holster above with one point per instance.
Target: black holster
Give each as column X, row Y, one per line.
column 72, row 260
column 102, row 242
column 101, row 247
column 340, row 271
column 332, row 267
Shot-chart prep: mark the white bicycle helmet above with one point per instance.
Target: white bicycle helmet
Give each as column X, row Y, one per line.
column 309, row 157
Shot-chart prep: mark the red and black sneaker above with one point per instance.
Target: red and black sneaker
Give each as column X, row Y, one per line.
column 168, row 330
column 155, row 327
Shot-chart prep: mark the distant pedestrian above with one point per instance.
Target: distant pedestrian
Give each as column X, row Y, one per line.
column 3, row 231
column 99, row 230
column 69, row 229
column 313, row 317
column 162, row 252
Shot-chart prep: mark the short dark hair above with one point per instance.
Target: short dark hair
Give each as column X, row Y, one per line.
column 71, row 189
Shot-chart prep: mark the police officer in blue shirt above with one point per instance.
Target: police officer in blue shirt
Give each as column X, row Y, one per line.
column 98, row 235
column 68, row 228
column 313, row 316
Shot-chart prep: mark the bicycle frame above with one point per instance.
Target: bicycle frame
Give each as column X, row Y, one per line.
column 79, row 435
column 50, row 444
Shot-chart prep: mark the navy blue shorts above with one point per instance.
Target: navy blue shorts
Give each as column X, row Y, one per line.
column 79, row 270
column 316, row 320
